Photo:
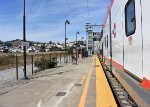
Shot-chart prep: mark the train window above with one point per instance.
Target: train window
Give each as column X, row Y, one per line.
column 130, row 20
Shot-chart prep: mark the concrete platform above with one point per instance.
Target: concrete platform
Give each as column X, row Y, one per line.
column 67, row 86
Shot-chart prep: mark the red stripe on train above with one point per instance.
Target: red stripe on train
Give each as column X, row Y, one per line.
column 146, row 84
column 119, row 66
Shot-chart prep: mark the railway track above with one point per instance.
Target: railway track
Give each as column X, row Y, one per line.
column 122, row 97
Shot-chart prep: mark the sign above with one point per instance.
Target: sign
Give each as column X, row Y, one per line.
column 96, row 36
column 90, row 37
column 130, row 40
column 25, row 43
column 96, row 39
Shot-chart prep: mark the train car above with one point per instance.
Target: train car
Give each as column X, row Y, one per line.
column 129, row 21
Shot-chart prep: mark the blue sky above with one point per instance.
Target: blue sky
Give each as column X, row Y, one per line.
column 45, row 18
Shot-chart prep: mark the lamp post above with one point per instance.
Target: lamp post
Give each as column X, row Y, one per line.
column 24, row 39
column 76, row 47
column 66, row 22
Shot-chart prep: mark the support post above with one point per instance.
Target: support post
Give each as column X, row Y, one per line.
column 24, row 39
column 16, row 67
column 60, row 57
column 76, row 56
column 56, row 59
column 110, row 40
column 32, row 64
column 65, row 45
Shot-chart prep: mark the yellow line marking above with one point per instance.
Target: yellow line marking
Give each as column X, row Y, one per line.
column 83, row 79
column 104, row 96
column 85, row 90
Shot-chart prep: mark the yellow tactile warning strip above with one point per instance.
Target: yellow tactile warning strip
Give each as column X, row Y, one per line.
column 86, row 86
column 104, row 96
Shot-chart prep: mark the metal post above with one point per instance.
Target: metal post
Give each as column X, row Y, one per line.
column 72, row 56
column 24, row 39
column 102, row 53
column 66, row 22
column 60, row 57
column 16, row 67
column 110, row 41
column 32, row 64
column 42, row 59
column 76, row 49
column 67, row 56
column 64, row 58
column 65, row 44
column 56, row 59
column 81, row 49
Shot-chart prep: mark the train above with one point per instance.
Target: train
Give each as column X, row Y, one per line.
column 126, row 38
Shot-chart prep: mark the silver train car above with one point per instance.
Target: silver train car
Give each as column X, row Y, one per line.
column 126, row 35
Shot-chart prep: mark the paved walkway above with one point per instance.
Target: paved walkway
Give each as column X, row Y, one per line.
column 66, row 86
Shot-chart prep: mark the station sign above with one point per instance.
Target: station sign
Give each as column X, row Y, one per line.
column 96, row 36
column 25, row 43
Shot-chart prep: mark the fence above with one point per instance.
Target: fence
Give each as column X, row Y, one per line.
column 11, row 65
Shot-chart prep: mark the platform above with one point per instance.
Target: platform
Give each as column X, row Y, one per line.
column 82, row 85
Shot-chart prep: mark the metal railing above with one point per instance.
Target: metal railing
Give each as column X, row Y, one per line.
column 11, row 65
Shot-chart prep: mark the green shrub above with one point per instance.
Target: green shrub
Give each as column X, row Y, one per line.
column 44, row 63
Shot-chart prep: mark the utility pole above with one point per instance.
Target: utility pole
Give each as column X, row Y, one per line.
column 24, row 39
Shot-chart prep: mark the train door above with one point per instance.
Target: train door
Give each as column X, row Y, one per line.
column 133, row 38
column 145, row 5
column 117, row 36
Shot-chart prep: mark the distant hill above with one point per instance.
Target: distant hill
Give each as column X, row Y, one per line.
column 15, row 43
column 18, row 42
